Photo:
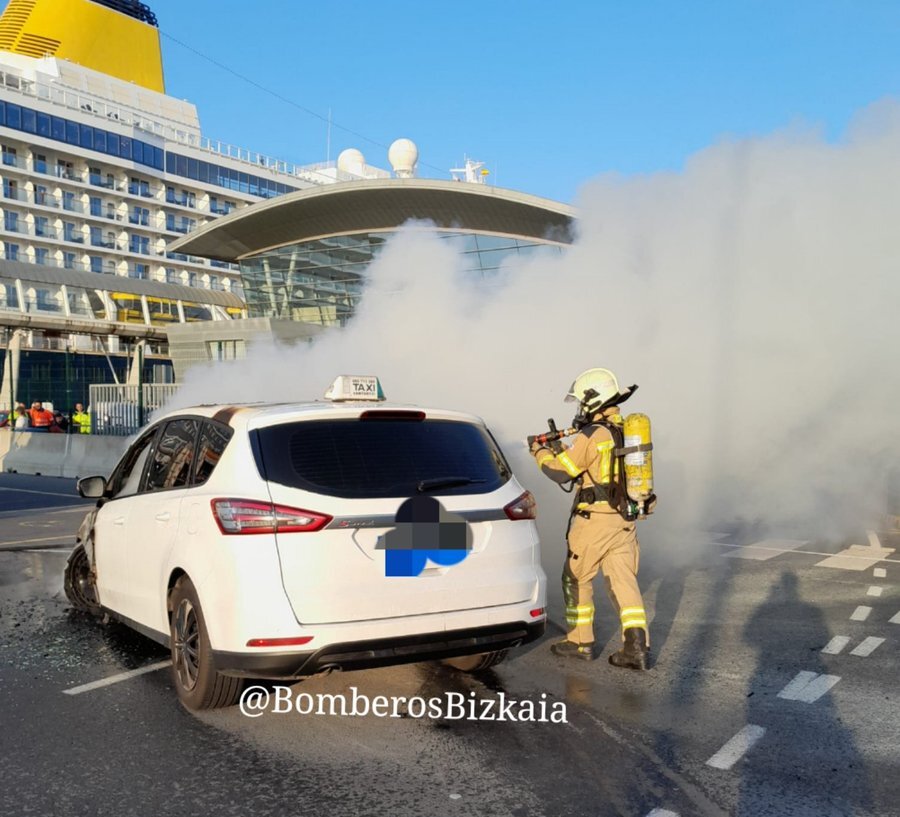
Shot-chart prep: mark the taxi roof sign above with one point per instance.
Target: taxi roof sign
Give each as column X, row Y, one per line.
column 355, row 387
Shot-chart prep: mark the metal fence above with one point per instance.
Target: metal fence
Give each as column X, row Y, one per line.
column 122, row 410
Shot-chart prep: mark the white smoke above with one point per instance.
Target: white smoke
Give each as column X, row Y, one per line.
column 753, row 297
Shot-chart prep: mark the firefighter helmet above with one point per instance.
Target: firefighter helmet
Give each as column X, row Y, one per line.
column 602, row 381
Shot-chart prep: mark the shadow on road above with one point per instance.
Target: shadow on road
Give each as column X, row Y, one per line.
column 807, row 764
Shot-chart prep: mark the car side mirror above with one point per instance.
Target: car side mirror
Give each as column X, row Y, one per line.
column 91, row 487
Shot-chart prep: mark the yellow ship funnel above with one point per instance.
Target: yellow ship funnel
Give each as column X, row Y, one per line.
column 115, row 37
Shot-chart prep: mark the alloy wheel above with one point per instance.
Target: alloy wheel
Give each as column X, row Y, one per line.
column 187, row 644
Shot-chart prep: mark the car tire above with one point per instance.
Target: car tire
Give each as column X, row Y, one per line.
column 478, row 662
column 198, row 684
column 78, row 583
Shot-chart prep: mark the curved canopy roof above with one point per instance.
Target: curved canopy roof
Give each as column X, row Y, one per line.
column 377, row 205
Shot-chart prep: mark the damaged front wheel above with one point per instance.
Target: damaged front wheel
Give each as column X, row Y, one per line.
column 78, row 582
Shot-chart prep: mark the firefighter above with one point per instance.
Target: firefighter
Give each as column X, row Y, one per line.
column 600, row 538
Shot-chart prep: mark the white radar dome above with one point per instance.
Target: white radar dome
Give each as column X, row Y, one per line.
column 403, row 156
column 351, row 160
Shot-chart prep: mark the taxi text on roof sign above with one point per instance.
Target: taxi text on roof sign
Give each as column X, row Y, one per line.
column 355, row 387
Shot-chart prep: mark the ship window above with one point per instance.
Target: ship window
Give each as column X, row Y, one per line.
column 29, row 120
column 13, row 115
column 72, row 132
column 124, row 147
column 137, row 151
column 12, row 296
column 87, row 137
column 100, row 140
column 43, row 124
column 2, row 113
column 112, row 144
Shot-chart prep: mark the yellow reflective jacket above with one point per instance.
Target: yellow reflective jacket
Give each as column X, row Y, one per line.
column 82, row 420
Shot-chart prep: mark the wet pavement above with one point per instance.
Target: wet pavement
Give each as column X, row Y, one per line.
column 741, row 715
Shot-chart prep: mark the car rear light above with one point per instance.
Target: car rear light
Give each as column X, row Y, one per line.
column 280, row 642
column 537, row 612
column 241, row 516
column 524, row 507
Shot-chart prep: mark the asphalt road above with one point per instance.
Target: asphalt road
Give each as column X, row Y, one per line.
column 774, row 693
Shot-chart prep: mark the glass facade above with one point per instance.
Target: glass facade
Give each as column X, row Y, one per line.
column 321, row 281
column 29, row 120
column 59, row 129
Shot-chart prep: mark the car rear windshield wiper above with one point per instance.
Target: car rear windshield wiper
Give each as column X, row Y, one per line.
column 445, row 482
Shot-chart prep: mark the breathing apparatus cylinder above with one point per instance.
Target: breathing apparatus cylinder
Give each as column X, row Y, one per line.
column 639, row 464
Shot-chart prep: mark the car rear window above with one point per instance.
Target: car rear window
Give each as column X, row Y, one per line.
column 357, row 458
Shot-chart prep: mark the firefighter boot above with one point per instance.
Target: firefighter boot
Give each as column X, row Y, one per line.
column 635, row 654
column 569, row 649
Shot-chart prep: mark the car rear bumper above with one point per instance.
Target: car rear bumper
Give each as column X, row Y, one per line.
column 352, row 655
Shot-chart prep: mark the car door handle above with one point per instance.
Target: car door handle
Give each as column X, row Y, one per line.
column 119, row 520
column 165, row 516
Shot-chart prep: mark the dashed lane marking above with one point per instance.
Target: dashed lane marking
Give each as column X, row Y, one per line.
column 895, row 619
column 879, row 573
column 737, row 747
column 766, row 549
column 808, row 686
column 867, row 647
column 115, row 679
column 874, row 541
column 861, row 613
column 661, row 812
column 836, row 644
column 874, row 590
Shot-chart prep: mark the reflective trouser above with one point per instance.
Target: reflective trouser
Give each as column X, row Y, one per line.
column 607, row 543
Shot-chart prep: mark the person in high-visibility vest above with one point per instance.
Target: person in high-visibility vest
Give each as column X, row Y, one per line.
column 81, row 420
column 41, row 418
column 599, row 537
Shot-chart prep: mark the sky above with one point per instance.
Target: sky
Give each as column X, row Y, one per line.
column 547, row 97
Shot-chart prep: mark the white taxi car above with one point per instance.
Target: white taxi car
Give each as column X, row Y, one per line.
column 278, row 541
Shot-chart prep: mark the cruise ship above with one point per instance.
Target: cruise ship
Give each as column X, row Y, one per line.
column 101, row 171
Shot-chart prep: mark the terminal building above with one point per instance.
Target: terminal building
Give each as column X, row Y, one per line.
column 303, row 256
column 123, row 225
